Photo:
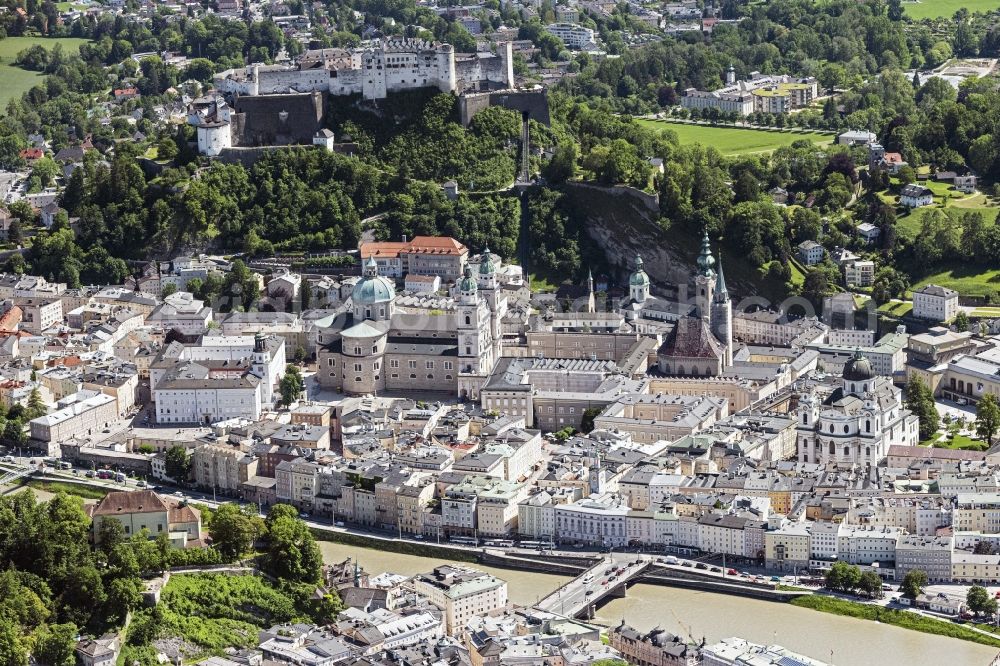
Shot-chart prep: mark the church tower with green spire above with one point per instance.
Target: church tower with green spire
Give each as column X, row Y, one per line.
column 705, row 281
column 722, row 315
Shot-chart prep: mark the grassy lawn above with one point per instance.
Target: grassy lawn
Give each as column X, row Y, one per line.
column 736, row 140
column 966, row 279
column 78, row 489
column 960, row 442
column 946, row 8
column 908, row 224
column 900, row 309
column 899, row 618
column 15, row 81
column 986, row 313
column 542, row 283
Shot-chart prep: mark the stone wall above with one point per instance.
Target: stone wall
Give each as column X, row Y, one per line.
column 533, row 102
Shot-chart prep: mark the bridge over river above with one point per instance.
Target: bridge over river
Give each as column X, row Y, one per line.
column 607, row 578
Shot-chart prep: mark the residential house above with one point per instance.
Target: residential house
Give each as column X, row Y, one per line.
column 935, row 303
column 915, row 196
column 145, row 510
column 810, row 252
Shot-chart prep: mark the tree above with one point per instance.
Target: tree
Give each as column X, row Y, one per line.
column 843, row 577
column 292, row 553
column 562, row 166
column 587, row 420
column 870, row 584
column 36, row 406
column 55, row 645
column 291, row 385
column 15, row 234
column 13, row 434
column 914, row 583
column 13, row 651
column 832, row 75
column 124, row 595
column 983, row 548
column 961, row 322
column 980, row 601
column 232, row 532
column 178, row 463
column 816, row 286
column 920, row 401
column 987, row 418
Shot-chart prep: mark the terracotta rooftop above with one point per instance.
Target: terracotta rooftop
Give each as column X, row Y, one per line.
column 419, row 245
column 124, row 502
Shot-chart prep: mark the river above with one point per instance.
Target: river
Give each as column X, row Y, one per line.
column 715, row 616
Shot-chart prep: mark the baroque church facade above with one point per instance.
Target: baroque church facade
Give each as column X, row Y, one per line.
column 855, row 423
column 377, row 349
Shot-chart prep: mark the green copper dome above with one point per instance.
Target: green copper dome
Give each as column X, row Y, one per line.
column 706, row 262
column 373, row 288
column 486, row 267
column 858, row 368
column 468, row 283
column 639, row 277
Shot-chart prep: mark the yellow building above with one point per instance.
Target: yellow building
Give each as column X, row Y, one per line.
column 145, row 510
column 787, row 548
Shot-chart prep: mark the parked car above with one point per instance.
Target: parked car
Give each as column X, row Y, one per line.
column 701, row 565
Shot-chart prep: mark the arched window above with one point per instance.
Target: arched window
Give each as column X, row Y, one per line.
column 831, row 427
column 847, row 452
column 868, row 452
column 468, row 320
column 866, row 387
column 832, row 451
column 805, row 418
column 846, row 429
column 868, row 425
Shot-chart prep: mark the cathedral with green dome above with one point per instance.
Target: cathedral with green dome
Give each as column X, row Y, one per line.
column 377, row 346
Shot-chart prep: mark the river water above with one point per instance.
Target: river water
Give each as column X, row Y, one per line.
column 715, row 616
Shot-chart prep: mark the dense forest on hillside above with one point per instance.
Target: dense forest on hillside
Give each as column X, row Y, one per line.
column 303, row 200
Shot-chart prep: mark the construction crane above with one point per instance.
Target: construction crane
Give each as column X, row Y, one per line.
column 685, row 627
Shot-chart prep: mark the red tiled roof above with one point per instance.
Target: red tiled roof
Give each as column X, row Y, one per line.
column 124, row 502
column 419, row 245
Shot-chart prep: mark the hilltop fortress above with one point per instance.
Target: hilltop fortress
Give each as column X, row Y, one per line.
column 375, row 70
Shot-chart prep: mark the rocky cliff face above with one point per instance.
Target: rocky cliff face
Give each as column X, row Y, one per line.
column 624, row 222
